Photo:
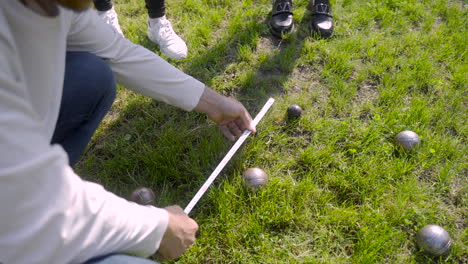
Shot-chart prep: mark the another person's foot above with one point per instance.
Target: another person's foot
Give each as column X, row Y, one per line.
column 281, row 18
column 322, row 19
column 160, row 32
column 110, row 17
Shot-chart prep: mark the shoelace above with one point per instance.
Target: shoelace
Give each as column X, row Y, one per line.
column 283, row 6
column 110, row 18
column 166, row 30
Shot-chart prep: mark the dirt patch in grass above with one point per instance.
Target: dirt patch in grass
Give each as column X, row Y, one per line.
column 428, row 174
column 265, row 44
column 304, row 79
column 269, row 73
column 269, row 43
column 458, row 190
column 366, row 92
column 460, row 222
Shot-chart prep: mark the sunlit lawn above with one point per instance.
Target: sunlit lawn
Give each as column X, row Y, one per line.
column 340, row 190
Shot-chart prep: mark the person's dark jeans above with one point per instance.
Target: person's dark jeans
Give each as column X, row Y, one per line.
column 156, row 8
column 89, row 90
column 120, row 259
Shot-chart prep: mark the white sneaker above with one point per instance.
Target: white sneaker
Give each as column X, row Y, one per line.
column 160, row 32
column 110, row 17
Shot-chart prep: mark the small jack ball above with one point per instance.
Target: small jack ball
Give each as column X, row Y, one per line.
column 254, row 178
column 407, row 139
column 143, row 196
column 294, row 111
column 434, row 240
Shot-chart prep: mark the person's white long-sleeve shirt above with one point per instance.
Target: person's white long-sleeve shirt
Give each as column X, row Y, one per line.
column 48, row 214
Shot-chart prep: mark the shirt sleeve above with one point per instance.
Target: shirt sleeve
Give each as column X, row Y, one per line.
column 48, row 213
column 134, row 66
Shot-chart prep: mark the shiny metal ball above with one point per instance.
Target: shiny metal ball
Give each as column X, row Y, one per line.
column 407, row 139
column 433, row 240
column 143, row 196
column 254, row 178
column 294, row 111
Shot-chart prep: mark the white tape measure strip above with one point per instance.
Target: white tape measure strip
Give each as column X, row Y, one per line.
column 228, row 156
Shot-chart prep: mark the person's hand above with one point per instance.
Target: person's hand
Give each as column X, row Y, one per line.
column 229, row 114
column 179, row 235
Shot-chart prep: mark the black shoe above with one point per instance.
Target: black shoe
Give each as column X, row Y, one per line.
column 281, row 17
column 322, row 19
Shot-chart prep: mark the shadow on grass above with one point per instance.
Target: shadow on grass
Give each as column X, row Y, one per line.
column 173, row 152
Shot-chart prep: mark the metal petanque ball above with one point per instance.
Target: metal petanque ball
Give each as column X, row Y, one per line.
column 407, row 139
column 294, row 111
column 143, row 196
column 434, row 240
column 254, row 178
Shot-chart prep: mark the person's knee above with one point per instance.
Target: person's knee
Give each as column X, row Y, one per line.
column 105, row 79
column 92, row 75
column 89, row 90
column 108, row 86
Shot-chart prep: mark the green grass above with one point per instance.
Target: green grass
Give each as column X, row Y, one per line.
column 340, row 191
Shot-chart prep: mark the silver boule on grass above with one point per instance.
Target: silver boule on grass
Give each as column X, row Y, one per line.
column 143, row 196
column 407, row 139
column 294, row 111
column 434, row 240
column 254, row 178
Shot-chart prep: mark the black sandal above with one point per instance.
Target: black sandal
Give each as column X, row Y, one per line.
column 281, row 18
column 322, row 19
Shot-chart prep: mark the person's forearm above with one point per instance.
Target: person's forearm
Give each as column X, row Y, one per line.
column 209, row 102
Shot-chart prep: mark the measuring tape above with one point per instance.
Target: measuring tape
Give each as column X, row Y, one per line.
column 228, row 156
